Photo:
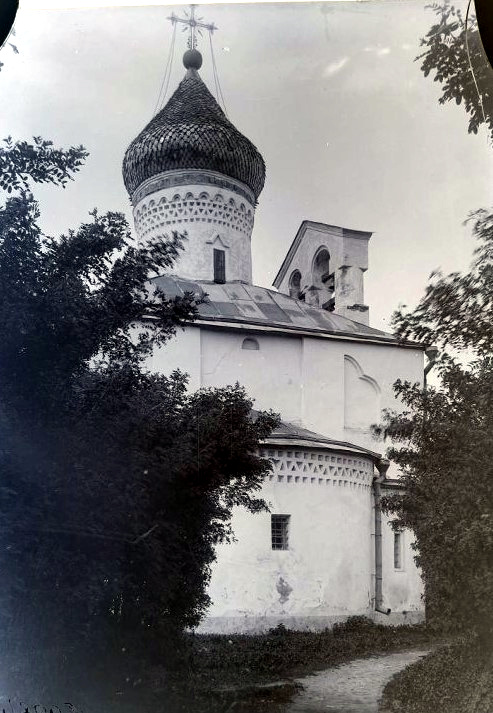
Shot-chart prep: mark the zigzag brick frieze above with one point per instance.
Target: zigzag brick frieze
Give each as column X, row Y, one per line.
column 319, row 468
column 182, row 209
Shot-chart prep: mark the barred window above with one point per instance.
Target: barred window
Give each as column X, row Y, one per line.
column 280, row 532
column 397, row 550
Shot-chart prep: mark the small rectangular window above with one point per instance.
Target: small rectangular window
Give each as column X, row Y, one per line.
column 280, row 532
column 219, row 266
column 397, row 550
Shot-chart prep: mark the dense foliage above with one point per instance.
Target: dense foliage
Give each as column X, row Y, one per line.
column 456, row 679
column 244, row 673
column 454, row 56
column 443, row 439
column 443, row 442
column 116, row 483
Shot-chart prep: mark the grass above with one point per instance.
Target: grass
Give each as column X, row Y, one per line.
column 282, row 653
column 217, row 673
column 225, row 669
column 457, row 678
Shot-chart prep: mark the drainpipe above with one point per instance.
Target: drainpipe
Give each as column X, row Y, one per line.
column 383, row 466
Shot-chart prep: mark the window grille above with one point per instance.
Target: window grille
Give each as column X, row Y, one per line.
column 219, row 266
column 397, row 550
column 280, row 532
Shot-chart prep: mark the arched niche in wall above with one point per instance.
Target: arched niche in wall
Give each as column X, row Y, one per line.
column 361, row 397
column 295, row 284
column 250, row 344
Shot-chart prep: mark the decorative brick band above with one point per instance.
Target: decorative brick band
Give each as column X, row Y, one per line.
column 200, row 208
column 170, row 179
column 319, row 467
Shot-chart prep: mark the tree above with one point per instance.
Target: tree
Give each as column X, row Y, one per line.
column 457, row 309
column 116, row 483
column 455, row 57
column 443, row 442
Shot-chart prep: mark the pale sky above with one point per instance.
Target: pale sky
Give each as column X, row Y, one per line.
column 351, row 131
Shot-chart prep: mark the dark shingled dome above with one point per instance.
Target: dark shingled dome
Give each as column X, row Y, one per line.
column 192, row 132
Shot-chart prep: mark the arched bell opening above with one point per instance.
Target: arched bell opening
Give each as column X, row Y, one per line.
column 295, row 285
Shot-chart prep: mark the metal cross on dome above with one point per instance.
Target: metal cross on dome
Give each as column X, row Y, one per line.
column 194, row 24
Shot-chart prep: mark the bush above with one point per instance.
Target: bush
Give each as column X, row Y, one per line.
column 355, row 624
column 457, row 678
column 279, row 630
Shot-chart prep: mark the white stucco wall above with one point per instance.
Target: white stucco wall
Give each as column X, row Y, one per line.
column 271, row 375
column 181, row 352
column 402, row 588
column 212, row 217
column 314, row 382
column 335, row 388
column 326, row 573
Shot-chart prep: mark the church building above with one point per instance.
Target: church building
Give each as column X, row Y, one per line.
column 303, row 348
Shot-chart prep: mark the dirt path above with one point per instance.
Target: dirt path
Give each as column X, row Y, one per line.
column 351, row 688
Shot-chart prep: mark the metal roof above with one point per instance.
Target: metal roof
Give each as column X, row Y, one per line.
column 290, row 433
column 240, row 304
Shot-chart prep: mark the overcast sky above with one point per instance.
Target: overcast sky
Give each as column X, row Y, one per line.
column 351, row 131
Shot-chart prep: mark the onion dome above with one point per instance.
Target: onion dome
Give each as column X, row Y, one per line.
column 192, row 132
